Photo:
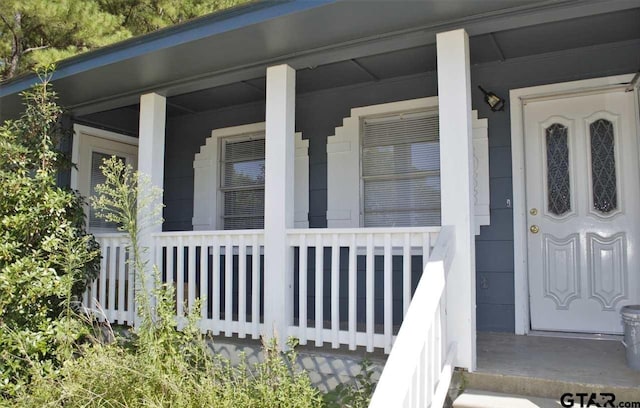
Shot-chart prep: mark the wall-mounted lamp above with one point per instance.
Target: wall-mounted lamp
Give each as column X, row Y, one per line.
column 495, row 102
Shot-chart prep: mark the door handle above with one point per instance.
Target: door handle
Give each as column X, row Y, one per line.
column 534, row 229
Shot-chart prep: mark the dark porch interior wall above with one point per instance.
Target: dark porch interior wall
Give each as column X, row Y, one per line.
column 317, row 116
column 318, row 113
column 185, row 135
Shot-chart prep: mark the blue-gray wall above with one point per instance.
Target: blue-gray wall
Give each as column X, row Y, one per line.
column 318, row 113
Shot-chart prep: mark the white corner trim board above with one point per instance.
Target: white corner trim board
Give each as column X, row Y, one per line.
column 207, row 203
column 344, row 163
column 480, row 152
column 518, row 98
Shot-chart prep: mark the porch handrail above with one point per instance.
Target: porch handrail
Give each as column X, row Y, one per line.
column 110, row 296
column 203, row 264
column 419, row 369
column 345, row 246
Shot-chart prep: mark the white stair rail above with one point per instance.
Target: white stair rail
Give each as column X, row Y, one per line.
column 419, row 369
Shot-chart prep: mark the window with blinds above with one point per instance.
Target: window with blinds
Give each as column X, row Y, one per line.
column 242, row 182
column 95, row 223
column 401, row 170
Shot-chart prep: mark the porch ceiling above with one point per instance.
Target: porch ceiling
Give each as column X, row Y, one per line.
column 497, row 46
column 220, row 60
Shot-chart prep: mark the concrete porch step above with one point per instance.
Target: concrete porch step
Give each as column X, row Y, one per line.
column 486, row 399
column 549, row 367
column 544, row 387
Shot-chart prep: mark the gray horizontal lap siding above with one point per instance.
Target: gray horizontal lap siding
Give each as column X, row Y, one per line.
column 319, row 113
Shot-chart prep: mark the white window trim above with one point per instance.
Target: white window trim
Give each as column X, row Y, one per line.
column 81, row 137
column 207, row 200
column 79, row 131
column 344, row 208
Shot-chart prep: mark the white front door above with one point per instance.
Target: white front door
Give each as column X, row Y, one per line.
column 583, row 210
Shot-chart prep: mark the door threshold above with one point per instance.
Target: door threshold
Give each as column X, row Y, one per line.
column 576, row 335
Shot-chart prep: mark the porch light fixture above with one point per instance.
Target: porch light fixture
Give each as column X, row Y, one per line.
column 495, row 102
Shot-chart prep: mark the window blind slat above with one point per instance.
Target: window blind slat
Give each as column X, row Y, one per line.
column 244, row 202
column 244, row 149
column 245, row 173
column 243, row 169
column 396, row 151
column 389, row 195
column 400, row 159
column 401, row 129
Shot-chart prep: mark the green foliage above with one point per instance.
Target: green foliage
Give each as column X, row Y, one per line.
column 162, row 366
column 39, row 32
column 46, row 258
column 144, row 16
column 356, row 394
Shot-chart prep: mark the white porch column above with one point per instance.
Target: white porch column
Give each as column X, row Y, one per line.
column 456, row 155
column 151, row 162
column 279, row 201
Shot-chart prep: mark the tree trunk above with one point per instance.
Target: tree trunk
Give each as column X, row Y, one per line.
column 16, row 47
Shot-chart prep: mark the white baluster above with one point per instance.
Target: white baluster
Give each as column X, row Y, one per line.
column 352, row 295
column 204, row 282
column 228, row 286
column 255, row 289
column 122, row 273
column 180, row 280
column 131, row 290
column 335, row 292
column 388, row 295
column 191, row 274
column 215, row 294
column 319, row 290
column 242, row 288
column 112, row 281
column 370, row 293
column 302, row 290
column 406, row 274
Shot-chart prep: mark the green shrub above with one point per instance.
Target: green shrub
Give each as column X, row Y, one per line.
column 161, row 366
column 356, row 394
column 46, row 258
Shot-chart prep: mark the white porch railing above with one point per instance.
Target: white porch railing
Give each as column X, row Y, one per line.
column 110, row 296
column 222, row 270
column 419, row 369
column 362, row 307
column 368, row 243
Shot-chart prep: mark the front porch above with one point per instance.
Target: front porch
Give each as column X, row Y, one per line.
column 351, row 285
column 342, row 283
column 542, row 366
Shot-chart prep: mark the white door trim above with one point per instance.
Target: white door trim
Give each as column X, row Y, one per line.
column 517, row 98
column 78, row 131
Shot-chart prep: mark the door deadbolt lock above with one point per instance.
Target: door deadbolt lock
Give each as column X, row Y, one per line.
column 533, row 211
column 534, row 229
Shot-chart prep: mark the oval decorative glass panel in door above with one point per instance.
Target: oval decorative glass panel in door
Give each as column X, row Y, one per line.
column 558, row 182
column 603, row 166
